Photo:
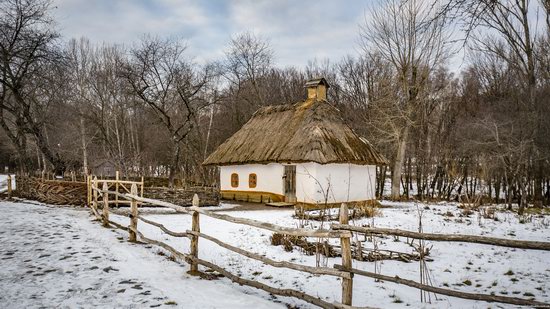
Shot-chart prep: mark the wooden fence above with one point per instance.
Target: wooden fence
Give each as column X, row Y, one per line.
column 117, row 184
column 342, row 231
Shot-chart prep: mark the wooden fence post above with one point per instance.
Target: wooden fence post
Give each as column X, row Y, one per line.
column 89, row 190
column 9, row 186
column 94, row 185
column 347, row 284
column 195, row 227
column 105, row 205
column 116, row 188
column 133, row 215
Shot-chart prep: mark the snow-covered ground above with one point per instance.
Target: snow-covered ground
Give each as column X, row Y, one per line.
column 465, row 267
column 58, row 258
column 66, row 246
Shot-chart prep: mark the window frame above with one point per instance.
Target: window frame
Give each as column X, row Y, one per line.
column 234, row 180
column 250, row 182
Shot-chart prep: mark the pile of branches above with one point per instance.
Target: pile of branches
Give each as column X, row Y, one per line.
column 309, row 248
column 360, row 210
column 359, row 253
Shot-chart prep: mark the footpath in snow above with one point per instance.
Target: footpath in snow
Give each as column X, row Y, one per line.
column 56, row 257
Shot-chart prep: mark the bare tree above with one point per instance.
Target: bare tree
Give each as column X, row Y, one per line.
column 248, row 58
column 505, row 29
column 162, row 78
column 26, row 52
column 412, row 39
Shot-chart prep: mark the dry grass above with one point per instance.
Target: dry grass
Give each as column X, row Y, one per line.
column 366, row 209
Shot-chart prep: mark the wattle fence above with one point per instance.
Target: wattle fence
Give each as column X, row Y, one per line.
column 79, row 193
column 102, row 196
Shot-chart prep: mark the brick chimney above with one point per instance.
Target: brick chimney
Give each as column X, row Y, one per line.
column 317, row 89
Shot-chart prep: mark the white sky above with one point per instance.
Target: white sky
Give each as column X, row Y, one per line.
column 298, row 30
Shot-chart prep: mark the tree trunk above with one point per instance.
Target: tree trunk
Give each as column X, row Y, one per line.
column 419, row 181
column 381, row 181
column 36, row 130
column 175, row 164
column 208, row 131
column 523, row 198
column 538, row 179
column 398, row 164
column 84, row 146
column 497, row 189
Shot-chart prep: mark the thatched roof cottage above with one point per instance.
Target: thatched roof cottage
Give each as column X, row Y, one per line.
column 297, row 153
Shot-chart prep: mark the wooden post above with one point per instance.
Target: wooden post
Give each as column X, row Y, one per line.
column 347, row 284
column 89, row 186
column 134, row 214
column 142, row 184
column 94, row 185
column 9, row 186
column 105, row 205
column 116, row 188
column 195, row 226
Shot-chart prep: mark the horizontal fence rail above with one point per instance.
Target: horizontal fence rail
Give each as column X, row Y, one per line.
column 448, row 292
column 250, row 222
column 343, row 231
column 510, row 243
column 279, row 264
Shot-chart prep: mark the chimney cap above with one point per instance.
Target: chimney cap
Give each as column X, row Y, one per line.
column 316, row 82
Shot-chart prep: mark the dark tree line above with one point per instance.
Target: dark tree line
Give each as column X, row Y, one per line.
column 149, row 109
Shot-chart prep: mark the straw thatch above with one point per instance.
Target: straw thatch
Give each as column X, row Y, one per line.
column 309, row 131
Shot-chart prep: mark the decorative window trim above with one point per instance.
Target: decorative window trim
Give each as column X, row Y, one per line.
column 234, row 180
column 252, row 180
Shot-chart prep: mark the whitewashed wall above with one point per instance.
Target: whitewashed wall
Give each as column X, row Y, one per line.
column 306, row 185
column 343, row 182
column 269, row 177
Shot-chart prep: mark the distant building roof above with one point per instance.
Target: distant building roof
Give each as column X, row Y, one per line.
column 316, row 82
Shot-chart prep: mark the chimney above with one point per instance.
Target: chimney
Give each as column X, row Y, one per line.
column 317, row 89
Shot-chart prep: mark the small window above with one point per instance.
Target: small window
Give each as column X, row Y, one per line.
column 252, row 180
column 234, row 180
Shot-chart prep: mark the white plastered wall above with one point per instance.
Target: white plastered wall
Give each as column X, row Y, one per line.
column 335, row 183
column 342, row 182
column 269, row 177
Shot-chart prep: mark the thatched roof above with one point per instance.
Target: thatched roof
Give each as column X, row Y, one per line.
column 308, row 131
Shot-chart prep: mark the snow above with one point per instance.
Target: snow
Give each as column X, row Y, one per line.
column 32, row 231
column 56, row 257
column 453, row 264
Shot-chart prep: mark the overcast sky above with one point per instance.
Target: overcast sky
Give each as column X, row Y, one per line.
column 298, row 30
